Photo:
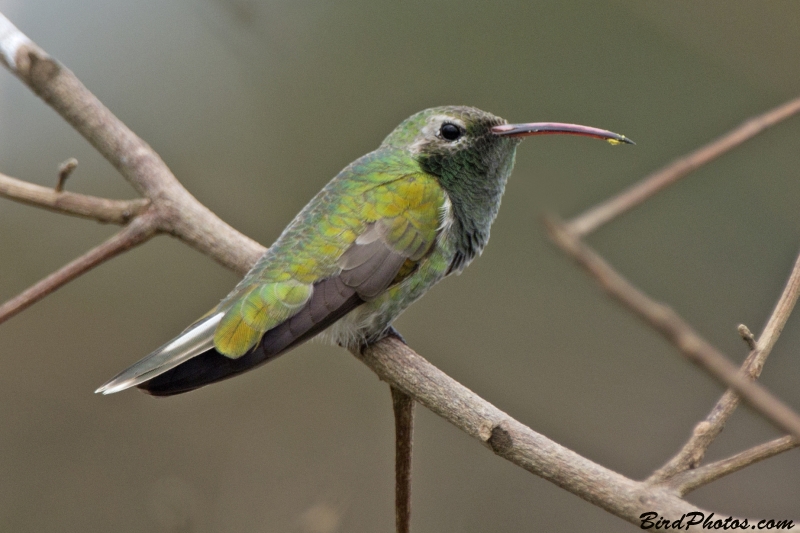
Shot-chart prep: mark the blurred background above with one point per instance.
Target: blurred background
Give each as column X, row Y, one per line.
column 255, row 105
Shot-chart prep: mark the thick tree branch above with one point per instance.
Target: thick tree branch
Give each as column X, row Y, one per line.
column 706, row 431
column 404, row 369
column 137, row 232
column 69, row 203
column 675, row 329
column 625, row 201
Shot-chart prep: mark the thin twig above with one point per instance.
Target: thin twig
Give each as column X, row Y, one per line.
column 689, row 480
column 403, row 407
column 64, row 170
column 777, row 321
column 747, row 336
column 625, row 201
column 69, row 203
column 706, row 431
column 137, row 232
column 676, row 330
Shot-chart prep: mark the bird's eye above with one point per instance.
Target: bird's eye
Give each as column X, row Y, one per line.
column 450, row 132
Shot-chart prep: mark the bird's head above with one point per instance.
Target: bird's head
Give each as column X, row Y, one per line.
column 458, row 143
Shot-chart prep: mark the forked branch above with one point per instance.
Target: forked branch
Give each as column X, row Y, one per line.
column 690, row 480
column 400, row 366
column 176, row 211
column 667, row 322
column 706, row 431
column 70, row 203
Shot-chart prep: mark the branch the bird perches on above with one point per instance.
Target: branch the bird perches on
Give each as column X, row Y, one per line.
column 167, row 207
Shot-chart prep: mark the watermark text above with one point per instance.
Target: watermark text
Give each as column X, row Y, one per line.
column 699, row 520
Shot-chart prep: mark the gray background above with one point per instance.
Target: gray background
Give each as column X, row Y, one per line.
column 255, row 105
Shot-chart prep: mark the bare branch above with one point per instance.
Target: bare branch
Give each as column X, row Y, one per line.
column 11, row 42
column 625, row 201
column 706, row 431
column 690, row 480
column 676, row 330
column 140, row 230
column 68, row 203
column 400, row 366
column 178, row 212
column 403, row 406
column 777, row 320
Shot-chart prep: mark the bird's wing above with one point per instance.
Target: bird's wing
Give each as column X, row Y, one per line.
column 385, row 229
column 368, row 267
column 396, row 224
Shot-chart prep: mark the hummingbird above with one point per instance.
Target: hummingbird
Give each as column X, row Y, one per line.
column 381, row 233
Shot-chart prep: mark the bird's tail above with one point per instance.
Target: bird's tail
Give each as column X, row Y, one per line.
column 203, row 369
column 190, row 360
column 211, row 366
column 197, row 339
column 185, row 363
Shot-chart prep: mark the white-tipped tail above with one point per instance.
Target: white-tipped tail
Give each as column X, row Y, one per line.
column 192, row 342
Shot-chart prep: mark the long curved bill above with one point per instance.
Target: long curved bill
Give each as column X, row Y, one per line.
column 552, row 128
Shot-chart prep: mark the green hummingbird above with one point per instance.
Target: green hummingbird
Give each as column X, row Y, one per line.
column 380, row 234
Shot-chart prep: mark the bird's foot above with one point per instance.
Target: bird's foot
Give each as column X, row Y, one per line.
column 388, row 332
column 392, row 332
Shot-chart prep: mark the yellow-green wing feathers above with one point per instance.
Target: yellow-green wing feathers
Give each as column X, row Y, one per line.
column 365, row 231
column 260, row 310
